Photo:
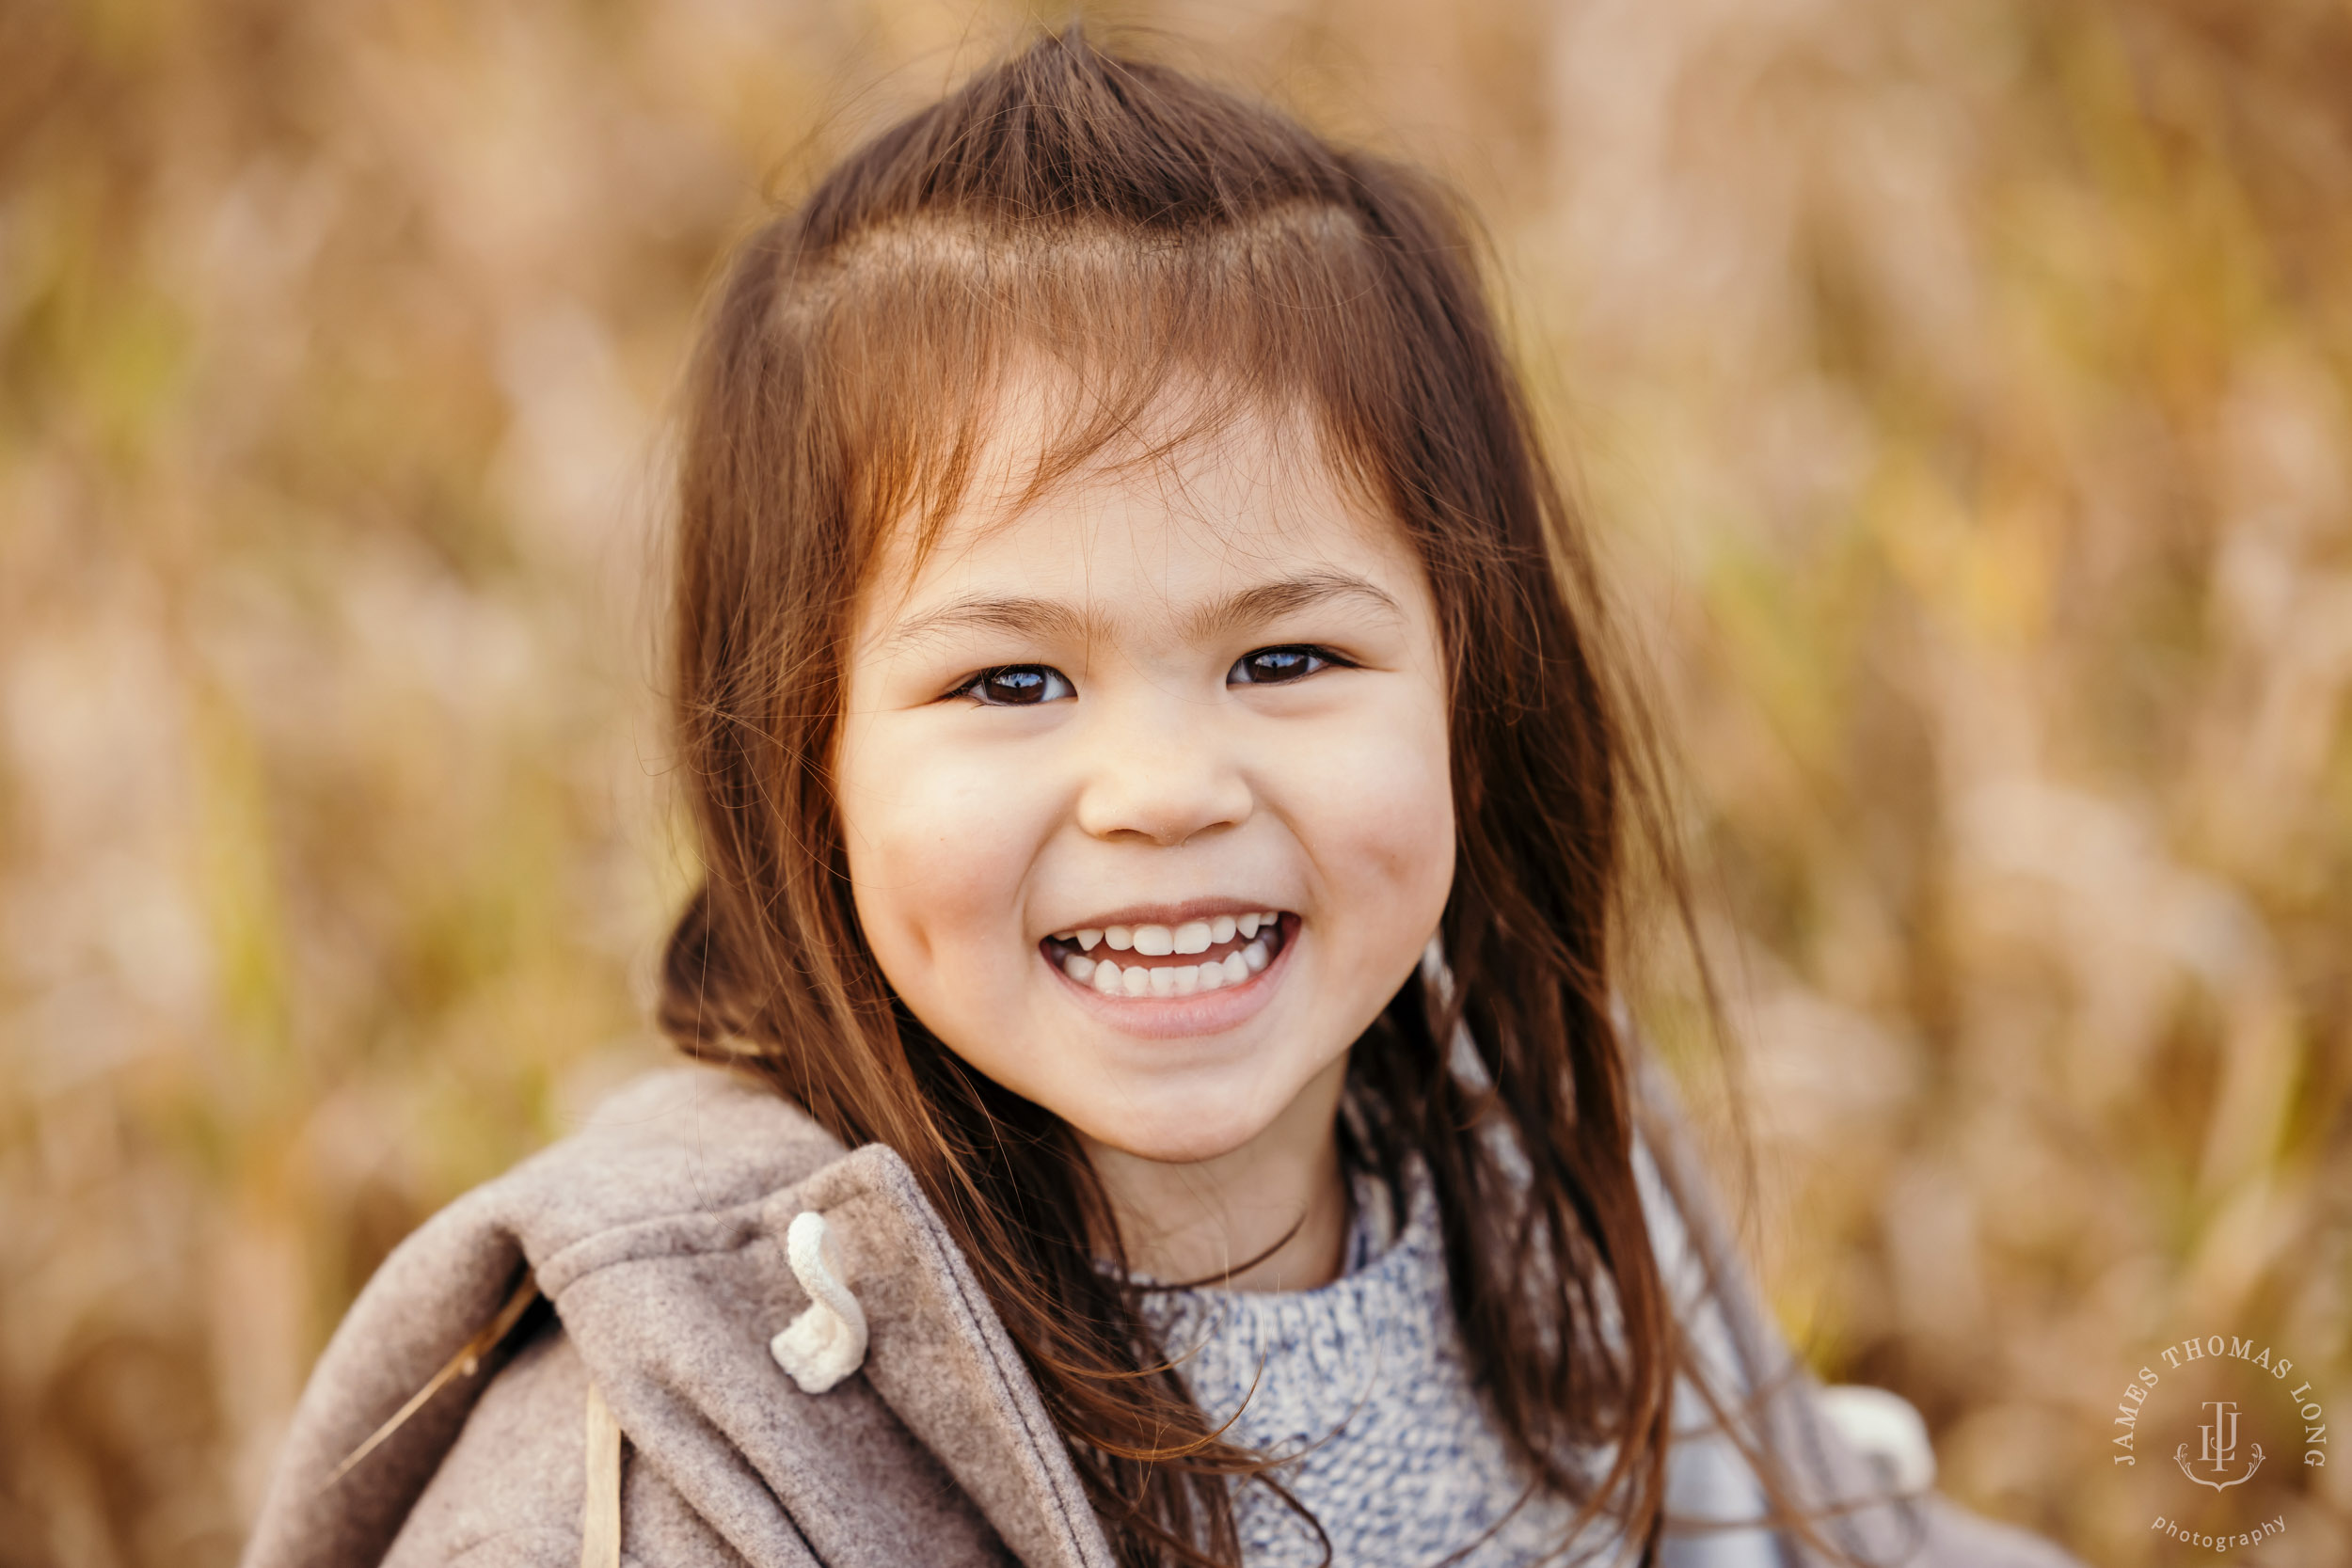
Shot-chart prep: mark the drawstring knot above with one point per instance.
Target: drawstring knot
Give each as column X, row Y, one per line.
column 826, row 1343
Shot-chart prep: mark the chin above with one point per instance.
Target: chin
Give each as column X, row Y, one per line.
column 1180, row 1127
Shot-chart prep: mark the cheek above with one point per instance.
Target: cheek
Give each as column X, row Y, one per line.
column 939, row 847
column 1376, row 807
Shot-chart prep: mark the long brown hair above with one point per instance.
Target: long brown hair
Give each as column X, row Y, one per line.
column 1130, row 227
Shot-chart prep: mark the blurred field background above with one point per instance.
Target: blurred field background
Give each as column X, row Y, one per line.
column 1964, row 389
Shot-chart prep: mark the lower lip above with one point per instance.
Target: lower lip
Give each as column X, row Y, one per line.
column 1163, row 1018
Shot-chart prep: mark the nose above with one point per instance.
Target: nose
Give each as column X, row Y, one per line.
column 1161, row 773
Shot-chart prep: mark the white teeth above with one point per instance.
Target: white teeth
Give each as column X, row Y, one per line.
column 1193, row 936
column 1147, row 980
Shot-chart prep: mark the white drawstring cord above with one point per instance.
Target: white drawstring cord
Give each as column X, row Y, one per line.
column 827, row 1343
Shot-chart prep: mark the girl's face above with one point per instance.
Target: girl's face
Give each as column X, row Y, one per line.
column 1145, row 786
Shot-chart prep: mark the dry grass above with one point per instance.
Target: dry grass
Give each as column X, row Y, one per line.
column 1965, row 387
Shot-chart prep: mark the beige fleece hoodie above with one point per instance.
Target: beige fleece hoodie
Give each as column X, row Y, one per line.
column 659, row 1236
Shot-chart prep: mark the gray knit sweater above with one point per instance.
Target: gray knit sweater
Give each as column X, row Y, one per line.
column 1361, row 1387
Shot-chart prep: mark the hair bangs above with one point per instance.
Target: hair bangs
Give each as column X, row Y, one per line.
column 1115, row 344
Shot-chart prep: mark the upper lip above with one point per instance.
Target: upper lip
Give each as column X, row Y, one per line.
column 1170, row 914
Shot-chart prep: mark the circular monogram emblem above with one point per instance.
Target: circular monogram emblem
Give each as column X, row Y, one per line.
column 2220, row 1432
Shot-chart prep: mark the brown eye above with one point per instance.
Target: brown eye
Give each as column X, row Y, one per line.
column 1273, row 666
column 1018, row 686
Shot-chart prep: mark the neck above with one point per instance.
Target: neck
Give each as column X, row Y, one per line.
column 1270, row 1216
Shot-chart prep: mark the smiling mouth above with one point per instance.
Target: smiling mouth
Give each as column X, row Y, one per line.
column 1198, row 956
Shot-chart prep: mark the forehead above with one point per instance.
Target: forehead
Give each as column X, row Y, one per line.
column 1193, row 500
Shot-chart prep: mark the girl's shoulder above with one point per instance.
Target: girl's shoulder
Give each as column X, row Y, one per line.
column 621, row 1289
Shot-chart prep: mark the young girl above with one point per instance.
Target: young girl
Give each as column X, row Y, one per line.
column 1162, row 803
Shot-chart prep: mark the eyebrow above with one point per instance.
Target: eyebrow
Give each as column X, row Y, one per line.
column 1270, row 601
column 1022, row 616
column 1034, row 617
